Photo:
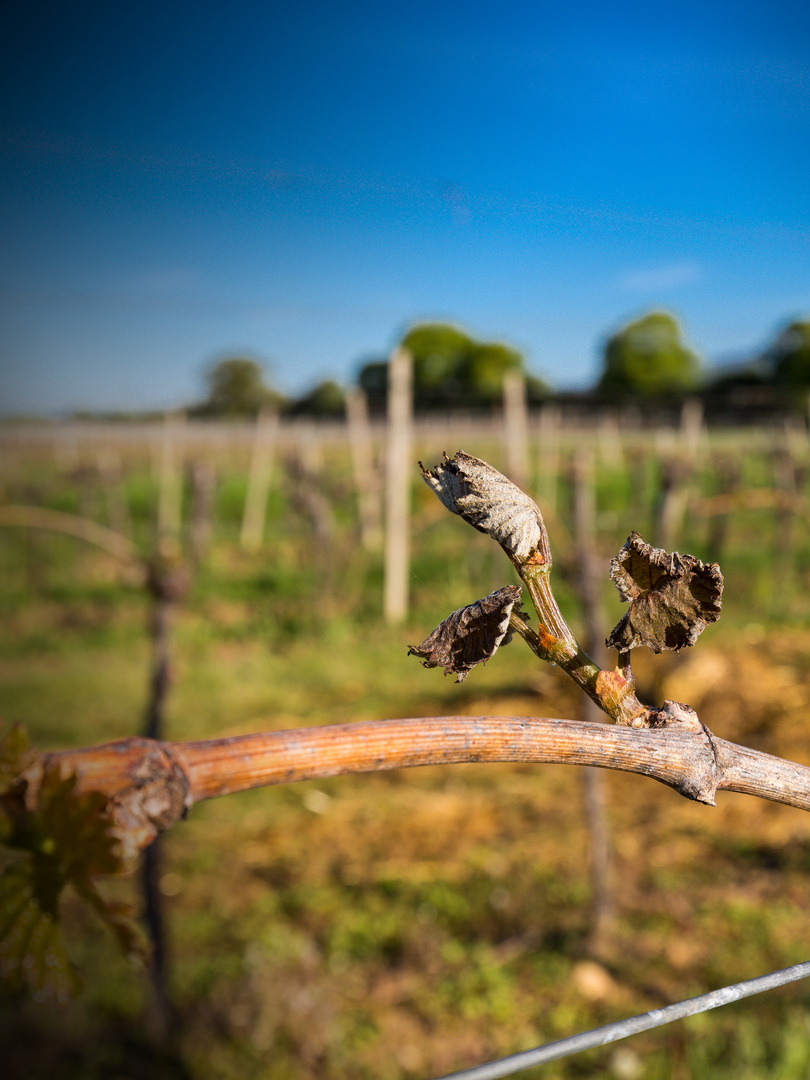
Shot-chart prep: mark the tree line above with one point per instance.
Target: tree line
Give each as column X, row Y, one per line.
column 645, row 361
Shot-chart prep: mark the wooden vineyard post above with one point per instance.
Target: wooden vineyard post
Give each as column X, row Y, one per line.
column 692, row 428
column 366, row 479
column 170, row 497
column 397, row 486
column 516, row 427
column 261, row 464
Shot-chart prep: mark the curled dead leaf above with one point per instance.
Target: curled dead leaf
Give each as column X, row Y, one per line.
column 470, row 635
column 672, row 597
column 491, row 503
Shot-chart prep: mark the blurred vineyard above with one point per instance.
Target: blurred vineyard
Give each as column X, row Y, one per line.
column 406, row 924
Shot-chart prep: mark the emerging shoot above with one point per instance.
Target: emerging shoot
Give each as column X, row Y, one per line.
column 672, row 597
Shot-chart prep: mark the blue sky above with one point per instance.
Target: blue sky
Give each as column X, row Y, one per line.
column 183, row 181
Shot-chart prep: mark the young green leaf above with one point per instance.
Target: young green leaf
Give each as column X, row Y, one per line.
column 68, row 839
column 672, row 597
column 470, row 635
column 32, row 952
column 491, row 503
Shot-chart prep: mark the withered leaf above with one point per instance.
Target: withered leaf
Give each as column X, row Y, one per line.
column 491, row 503
column 672, row 597
column 470, row 635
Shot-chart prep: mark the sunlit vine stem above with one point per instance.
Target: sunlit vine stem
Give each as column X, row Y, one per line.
column 152, row 784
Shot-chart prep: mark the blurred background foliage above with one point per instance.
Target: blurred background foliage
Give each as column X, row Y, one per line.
column 451, row 369
column 646, row 360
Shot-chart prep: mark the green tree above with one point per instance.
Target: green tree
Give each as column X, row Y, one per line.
column 236, row 387
column 372, row 378
column 452, row 369
column 789, row 357
column 484, row 369
column 325, row 399
column 647, row 358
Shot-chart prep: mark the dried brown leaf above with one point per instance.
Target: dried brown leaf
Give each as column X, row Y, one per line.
column 470, row 635
column 672, row 597
column 491, row 503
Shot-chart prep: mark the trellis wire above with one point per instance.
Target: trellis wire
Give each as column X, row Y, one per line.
column 621, row 1029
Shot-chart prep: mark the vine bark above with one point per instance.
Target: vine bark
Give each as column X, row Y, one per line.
column 152, row 784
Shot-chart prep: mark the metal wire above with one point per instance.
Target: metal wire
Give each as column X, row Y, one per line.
column 621, row 1029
